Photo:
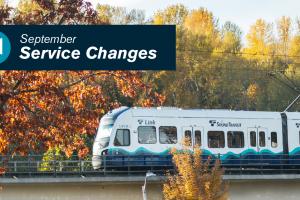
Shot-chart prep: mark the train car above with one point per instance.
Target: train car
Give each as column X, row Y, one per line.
column 150, row 133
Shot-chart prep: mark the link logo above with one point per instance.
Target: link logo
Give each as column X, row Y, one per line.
column 146, row 122
column 4, row 47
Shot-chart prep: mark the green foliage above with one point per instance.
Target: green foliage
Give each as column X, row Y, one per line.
column 55, row 159
column 50, row 157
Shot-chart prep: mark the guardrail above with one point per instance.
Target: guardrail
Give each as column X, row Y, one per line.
column 35, row 165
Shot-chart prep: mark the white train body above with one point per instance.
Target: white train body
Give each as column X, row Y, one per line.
column 230, row 134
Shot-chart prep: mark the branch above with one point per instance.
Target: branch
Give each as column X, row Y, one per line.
column 5, row 98
column 83, row 79
column 62, row 19
column 38, row 117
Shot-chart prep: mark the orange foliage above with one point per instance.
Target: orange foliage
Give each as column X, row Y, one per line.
column 2, row 170
column 43, row 109
column 193, row 179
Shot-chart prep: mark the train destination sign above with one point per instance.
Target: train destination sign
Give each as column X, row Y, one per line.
column 88, row 47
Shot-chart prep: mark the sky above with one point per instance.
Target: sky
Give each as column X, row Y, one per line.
column 241, row 12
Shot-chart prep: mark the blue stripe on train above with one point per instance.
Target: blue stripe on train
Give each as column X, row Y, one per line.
column 145, row 157
column 294, row 156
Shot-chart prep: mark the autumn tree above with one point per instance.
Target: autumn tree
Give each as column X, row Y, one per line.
column 284, row 31
column 174, row 14
column 194, row 179
column 201, row 22
column 294, row 51
column 54, row 12
column 260, row 41
column 120, row 15
column 214, row 69
column 231, row 39
column 41, row 110
column 195, row 82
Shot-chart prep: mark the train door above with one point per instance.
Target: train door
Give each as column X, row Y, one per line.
column 257, row 138
column 198, row 137
column 253, row 139
column 194, row 134
column 263, row 137
column 187, row 132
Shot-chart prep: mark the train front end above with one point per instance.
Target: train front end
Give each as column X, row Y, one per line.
column 103, row 136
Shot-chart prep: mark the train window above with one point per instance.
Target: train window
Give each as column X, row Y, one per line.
column 252, row 138
column 274, row 139
column 122, row 137
column 262, row 139
column 147, row 134
column 168, row 135
column 235, row 139
column 216, row 139
column 188, row 136
column 198, row 138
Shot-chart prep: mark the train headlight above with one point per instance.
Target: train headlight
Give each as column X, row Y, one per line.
column 105, row 152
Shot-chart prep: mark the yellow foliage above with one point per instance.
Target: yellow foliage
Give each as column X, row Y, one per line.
column 27, row 6
column 193, row 178
column 230, row 43
column 252, row 91
column 284, row 31
column 158, row 19
column 295, row 48
column 260, row 41
column 3, row 2
column 200, row 22
column 174, row 14
column 104, row 12
column 290, row 71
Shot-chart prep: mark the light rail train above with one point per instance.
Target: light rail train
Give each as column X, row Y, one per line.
column 232, row 135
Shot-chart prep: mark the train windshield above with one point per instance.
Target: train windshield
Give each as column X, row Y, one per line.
column 103, row 142
column 103, row 135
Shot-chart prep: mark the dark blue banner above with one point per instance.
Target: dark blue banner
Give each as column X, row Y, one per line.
column 96, row 47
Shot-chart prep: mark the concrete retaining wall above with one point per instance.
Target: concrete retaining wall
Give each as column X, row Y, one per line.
column 130, row 188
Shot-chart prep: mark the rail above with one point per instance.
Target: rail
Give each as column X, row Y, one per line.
column 57, row 166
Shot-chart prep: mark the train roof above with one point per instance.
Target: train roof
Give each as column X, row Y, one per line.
column 205, row 113
column 293, row 115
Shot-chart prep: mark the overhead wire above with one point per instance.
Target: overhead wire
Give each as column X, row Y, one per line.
column 237, row 53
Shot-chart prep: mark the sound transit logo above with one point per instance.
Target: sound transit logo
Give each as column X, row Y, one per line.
column 216, row 123
column 212, row 122
column 4, row 47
